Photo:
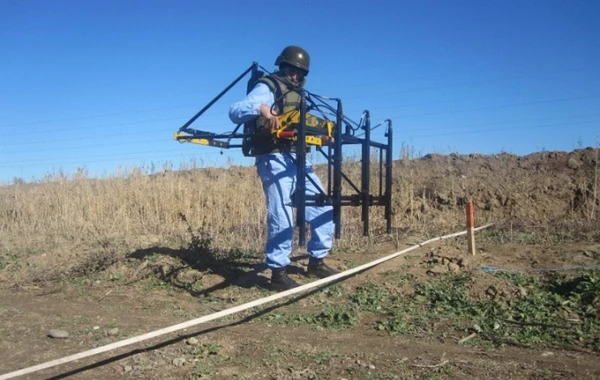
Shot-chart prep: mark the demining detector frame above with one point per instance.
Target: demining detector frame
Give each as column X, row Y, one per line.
column 344, row 133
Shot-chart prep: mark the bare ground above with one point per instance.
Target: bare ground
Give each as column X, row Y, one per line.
column 251, row 346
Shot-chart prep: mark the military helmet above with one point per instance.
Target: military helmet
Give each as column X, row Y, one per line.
column 295, row 56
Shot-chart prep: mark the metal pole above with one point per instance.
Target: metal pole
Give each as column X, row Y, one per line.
column 301, row 173
column 388, row 178
column 329, row 170
column 337, row 171
column 366, row 173
column 380, row 194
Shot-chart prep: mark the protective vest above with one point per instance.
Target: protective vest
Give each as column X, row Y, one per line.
column 260, row 140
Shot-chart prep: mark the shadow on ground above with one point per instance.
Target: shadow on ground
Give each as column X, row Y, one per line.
column 235, row 267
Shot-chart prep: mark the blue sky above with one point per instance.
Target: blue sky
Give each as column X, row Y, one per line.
column 103, row 85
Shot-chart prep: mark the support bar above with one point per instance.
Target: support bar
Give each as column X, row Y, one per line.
column 253, row 67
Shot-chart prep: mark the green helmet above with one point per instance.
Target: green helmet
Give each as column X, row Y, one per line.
column 295, row 56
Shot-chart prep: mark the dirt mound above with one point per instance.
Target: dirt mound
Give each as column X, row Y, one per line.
column 454, row 259
column 544, row 187
column 487, row 286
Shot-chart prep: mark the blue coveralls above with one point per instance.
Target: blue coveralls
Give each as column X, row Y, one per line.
column 278, row 175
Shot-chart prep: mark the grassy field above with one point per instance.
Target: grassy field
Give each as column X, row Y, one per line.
column 140, row 251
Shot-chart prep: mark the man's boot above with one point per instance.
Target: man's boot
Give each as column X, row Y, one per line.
column 318, row 269
column 280, row 280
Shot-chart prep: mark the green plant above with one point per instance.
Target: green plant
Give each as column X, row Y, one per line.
column 332, row 317
column 539, row 317
column 370, row 297
column 205, row 350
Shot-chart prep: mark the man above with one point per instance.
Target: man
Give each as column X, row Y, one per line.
column 271, row 96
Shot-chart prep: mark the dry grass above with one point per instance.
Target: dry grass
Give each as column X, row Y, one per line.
column 62, row 209
column 136, row 210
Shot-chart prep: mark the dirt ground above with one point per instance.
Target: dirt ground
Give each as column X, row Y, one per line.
column 103, row 309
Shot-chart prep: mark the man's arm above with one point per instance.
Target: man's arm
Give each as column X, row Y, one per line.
column 252, row 105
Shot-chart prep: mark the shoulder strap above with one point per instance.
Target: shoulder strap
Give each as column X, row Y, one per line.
column 275, row 88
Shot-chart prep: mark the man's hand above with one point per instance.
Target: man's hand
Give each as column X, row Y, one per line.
column 326, row 140
column 272, row 121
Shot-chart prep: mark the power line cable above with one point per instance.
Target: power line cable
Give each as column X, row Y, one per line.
column 404, row 132
column 498, row 122
column 469, row 73
column 79, row 162
column 125, row 155
column 96, row 137
column 214, row 126
column 396, row 137
column 400, row 133
column 495, row 107
column 372, row 83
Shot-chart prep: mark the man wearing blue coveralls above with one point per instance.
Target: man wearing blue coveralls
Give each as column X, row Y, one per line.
column 274, row 95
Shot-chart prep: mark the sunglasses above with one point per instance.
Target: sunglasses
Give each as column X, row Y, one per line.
column 291, row 70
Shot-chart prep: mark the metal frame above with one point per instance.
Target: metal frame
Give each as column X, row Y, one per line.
column 344, row 134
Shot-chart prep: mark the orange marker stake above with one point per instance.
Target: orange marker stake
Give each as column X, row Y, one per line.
column 470, row 228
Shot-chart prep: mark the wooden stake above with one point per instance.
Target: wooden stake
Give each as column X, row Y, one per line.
column 470, row 228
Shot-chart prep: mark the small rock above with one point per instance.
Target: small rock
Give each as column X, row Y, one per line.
column 179, row 362
column 58, row 334
column 463, row 262
column 491, row 291
column 112, row 332
column 437, row 270
column 548, row 353
column 96, row 328
column 304, row 374
column 192, row 341
column 371, row 366
column 127, row 368
column 574, row 163
column 453, row 267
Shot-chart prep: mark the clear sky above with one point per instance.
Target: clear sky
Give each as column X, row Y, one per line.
column 103, row 84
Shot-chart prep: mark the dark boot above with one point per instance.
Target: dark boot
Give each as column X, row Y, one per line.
column 280, row 280
column 318, row 269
